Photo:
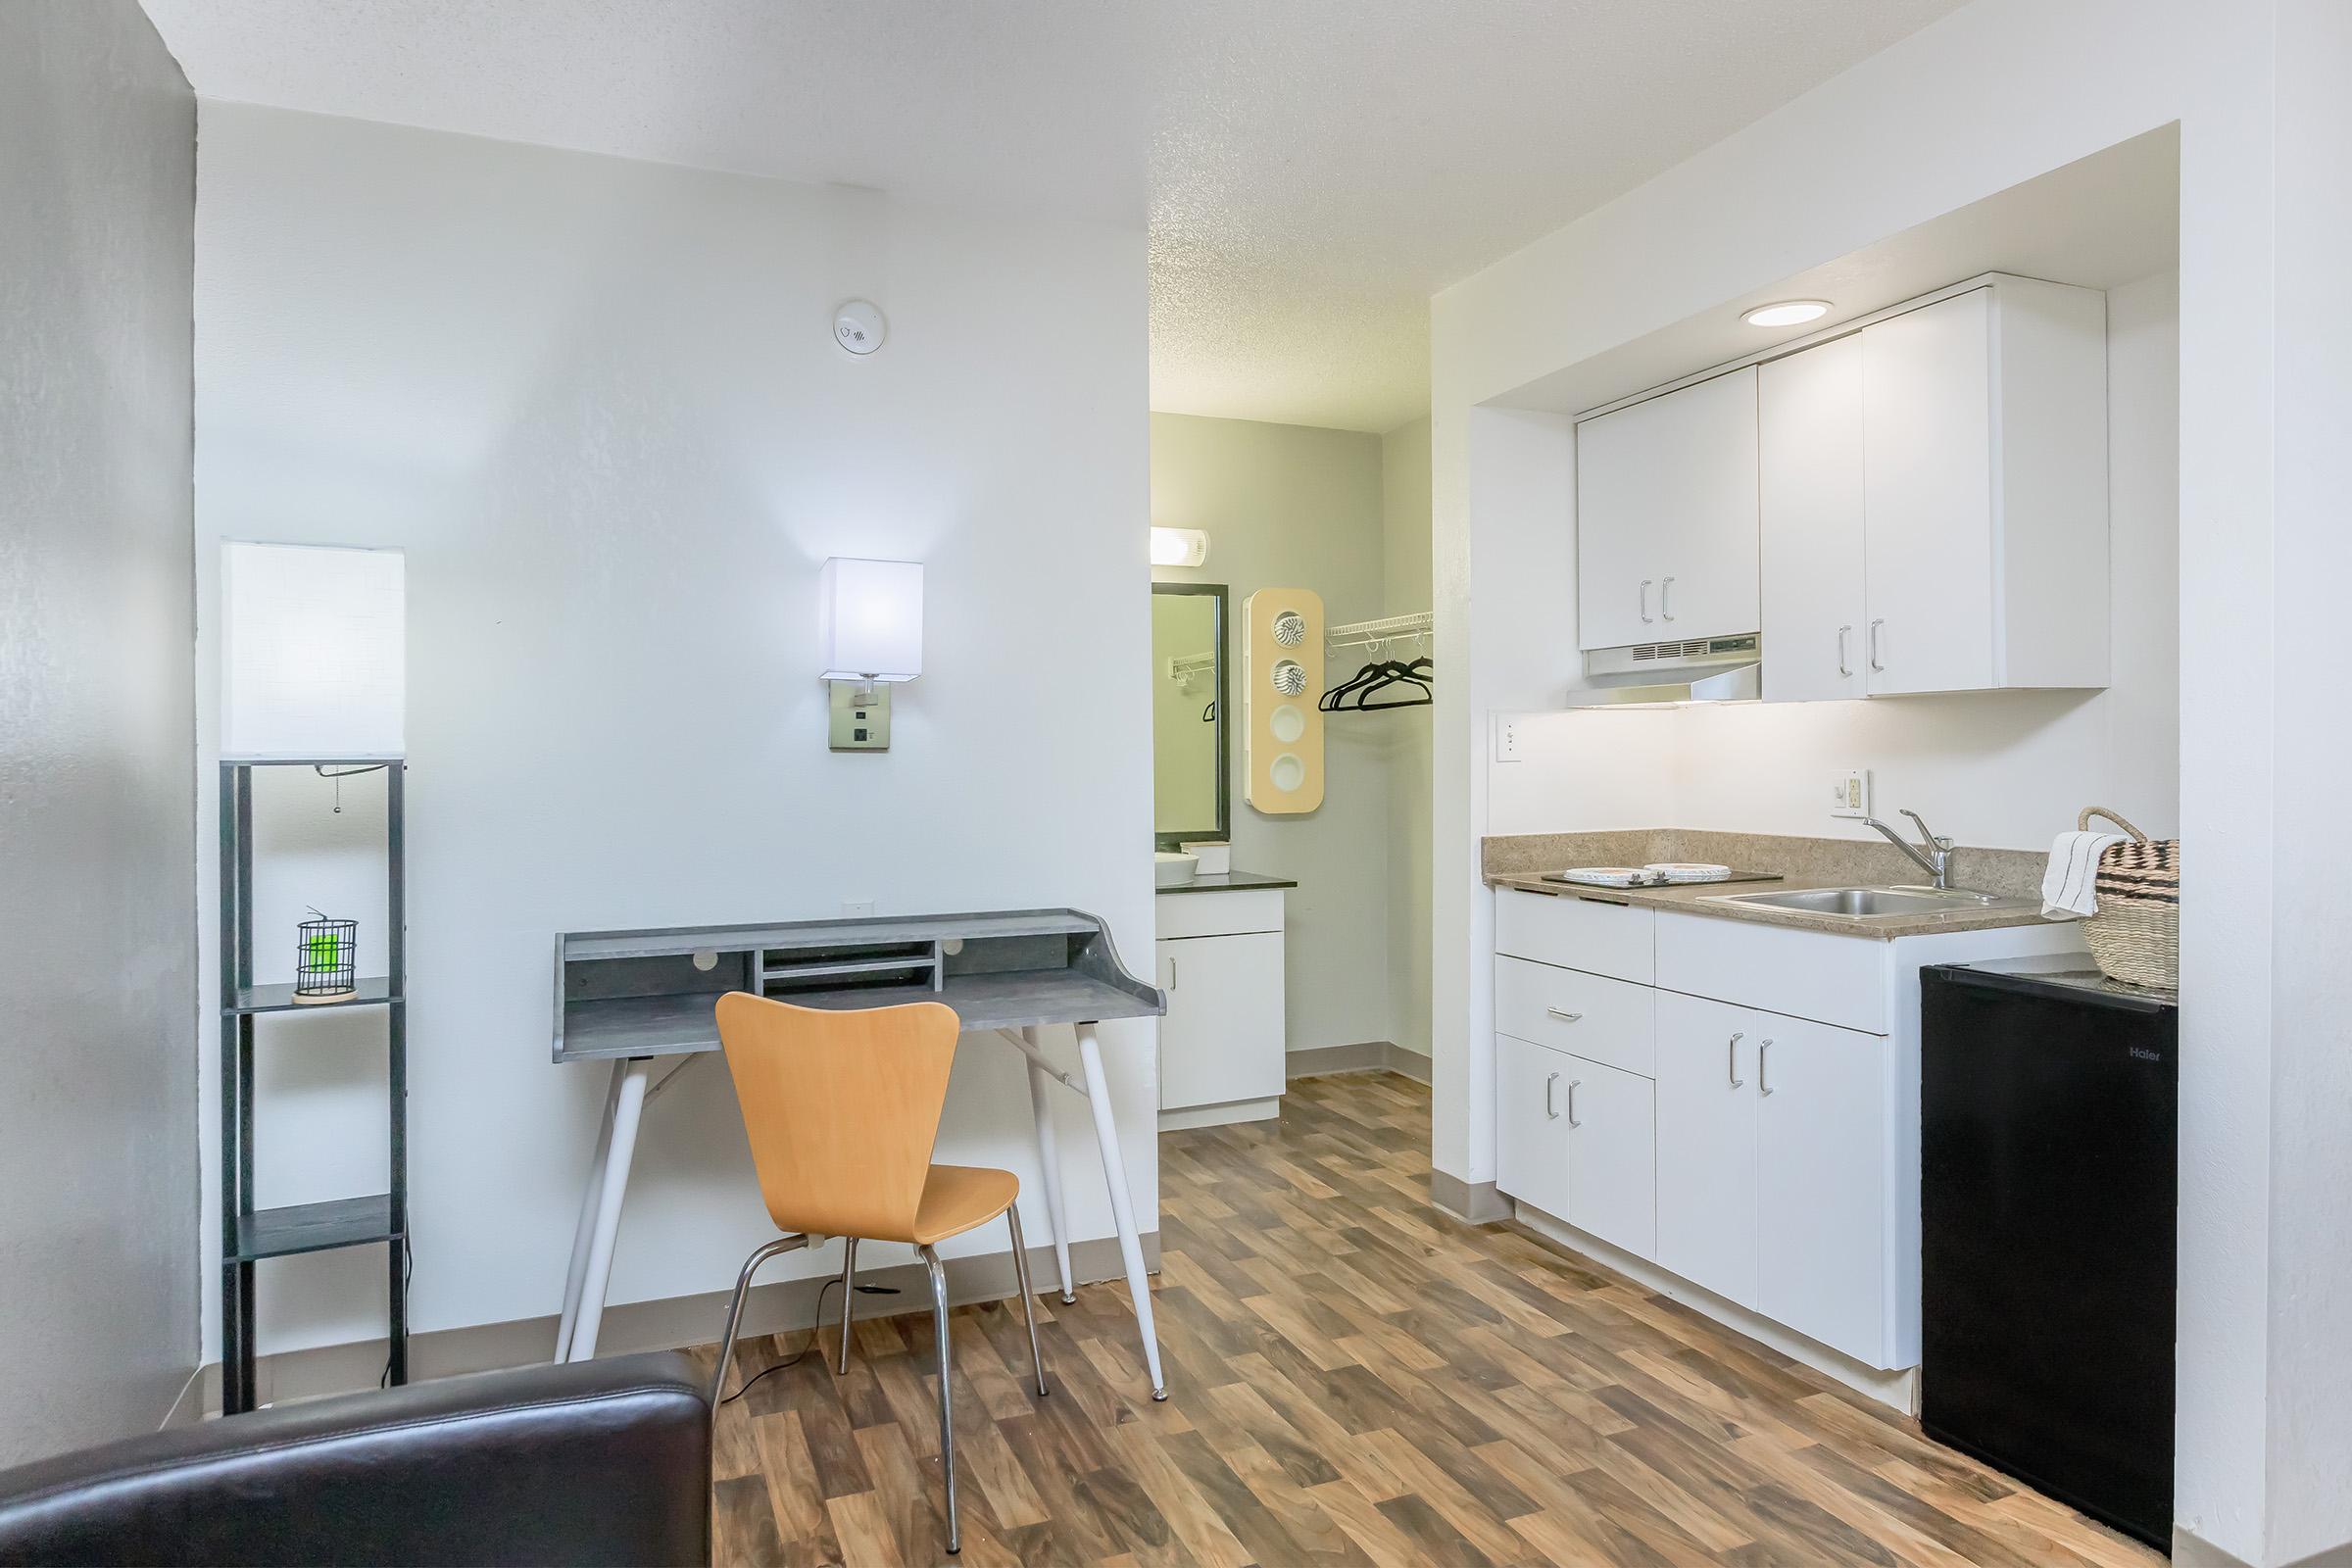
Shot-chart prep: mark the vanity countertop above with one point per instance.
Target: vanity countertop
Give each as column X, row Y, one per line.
column 1227, row 882
column 1519, row 862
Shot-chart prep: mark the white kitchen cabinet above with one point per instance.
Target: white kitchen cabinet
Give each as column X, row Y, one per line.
column 1822, row 1153
column 1578, row 1141
column 1809, row 480
column 1772, row 1167
column 1928, row 498
column 1932, row 500
column 1706, row 1167
column 1666, row 542
column 1222, row 1044
column 1769, row 1153
column 1532, row 1159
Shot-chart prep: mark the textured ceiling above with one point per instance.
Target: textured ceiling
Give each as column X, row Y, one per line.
column 1311, row 171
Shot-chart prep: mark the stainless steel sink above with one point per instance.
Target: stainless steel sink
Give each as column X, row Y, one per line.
column 1861, row 903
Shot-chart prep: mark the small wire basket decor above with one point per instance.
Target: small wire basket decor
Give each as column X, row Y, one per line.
column 326, row 959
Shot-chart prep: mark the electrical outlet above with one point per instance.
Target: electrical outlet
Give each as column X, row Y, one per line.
column 851, row 909
column 1849, row 793
column 1506, row 737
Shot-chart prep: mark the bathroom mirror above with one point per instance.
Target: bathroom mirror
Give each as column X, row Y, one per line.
column 1189, row 772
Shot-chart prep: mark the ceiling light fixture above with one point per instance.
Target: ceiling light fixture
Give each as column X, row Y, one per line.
column 1786, row 313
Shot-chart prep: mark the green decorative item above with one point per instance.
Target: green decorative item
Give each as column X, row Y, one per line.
column 326, row 959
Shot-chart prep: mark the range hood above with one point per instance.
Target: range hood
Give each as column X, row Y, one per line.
column 1703, row 670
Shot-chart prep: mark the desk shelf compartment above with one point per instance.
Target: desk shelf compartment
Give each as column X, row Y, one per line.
column 249, row 1234
column 789, row 972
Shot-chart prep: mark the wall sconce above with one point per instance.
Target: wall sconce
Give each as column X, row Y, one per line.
column 313, row 652
column 1179, row 547
column 870, row 636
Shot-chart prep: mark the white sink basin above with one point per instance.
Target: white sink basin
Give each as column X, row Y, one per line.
column 1170, row 870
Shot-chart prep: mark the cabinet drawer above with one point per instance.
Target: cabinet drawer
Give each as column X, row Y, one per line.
column 1806, row 974
column 1594, row 935
column 1217, row 914
column 1604, row 1020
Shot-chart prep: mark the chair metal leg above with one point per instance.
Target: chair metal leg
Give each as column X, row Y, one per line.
column 947, row 1426
column 849, row 1295
column 743, row 1286
column 1020, row 1273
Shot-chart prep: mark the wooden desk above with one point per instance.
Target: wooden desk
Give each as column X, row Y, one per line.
column 634, row 997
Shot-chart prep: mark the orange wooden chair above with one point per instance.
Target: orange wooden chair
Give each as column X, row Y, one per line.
column 842, row 1109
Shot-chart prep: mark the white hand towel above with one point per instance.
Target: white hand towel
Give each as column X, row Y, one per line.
column 2070, row 886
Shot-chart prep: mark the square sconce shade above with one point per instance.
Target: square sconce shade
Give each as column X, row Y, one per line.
column 870, row 620
column 314, row 650
column 1179, row 547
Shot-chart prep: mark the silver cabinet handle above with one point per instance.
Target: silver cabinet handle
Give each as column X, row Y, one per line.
column 1645, row 601
column 1548, row 1080
column 1572, row 1083
column 1874, row 645
column 1731, row 1059
column 1845, row 665
column 1762, row 1087
column 1564, row 1017
column 1172, row 974
column 1665, row 591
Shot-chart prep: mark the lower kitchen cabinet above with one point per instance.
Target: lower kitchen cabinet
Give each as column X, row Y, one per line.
column 1578, row 1140
column 1772, row 1155
column 1822, row 1154
column 1707, row 1145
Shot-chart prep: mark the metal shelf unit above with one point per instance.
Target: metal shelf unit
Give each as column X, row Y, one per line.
column 249, row 1234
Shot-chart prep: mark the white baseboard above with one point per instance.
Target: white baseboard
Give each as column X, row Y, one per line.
column 1370, row 1055
column 1897, row 1388
column 674, row 1323
column 1233, row 1110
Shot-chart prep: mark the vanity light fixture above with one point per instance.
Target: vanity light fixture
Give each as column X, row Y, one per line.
column 871, row 637
column 1179, row 547
column 1786, row 313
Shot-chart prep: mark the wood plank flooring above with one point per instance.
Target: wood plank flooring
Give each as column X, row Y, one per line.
column 1356, row 1379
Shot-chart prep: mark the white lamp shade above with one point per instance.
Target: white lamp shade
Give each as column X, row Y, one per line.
column 870, row 620
column 314, row 650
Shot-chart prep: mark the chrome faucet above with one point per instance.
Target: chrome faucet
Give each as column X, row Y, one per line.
column 1936, row 859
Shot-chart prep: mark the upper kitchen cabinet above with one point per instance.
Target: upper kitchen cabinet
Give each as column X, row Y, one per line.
column 1809, row 470
column 1666, row 516
column 1933, row 500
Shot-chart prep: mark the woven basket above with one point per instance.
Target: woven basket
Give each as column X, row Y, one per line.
column 2135, row 937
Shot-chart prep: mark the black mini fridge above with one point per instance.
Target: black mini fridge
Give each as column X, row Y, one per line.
column 2049, row 1100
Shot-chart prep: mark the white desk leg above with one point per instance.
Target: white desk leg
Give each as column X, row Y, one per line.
column 591, row 1191
column 1122, row 1207
column 612, row 1188
column 1048, row 1160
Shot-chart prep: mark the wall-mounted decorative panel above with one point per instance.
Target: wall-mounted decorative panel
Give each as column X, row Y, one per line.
column 1282, row 676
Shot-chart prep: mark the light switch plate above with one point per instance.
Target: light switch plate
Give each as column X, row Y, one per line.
column 1506, row 737
column 859, row 715
column 1849, row 793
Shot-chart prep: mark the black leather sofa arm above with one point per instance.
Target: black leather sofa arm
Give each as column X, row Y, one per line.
column 593, row 1462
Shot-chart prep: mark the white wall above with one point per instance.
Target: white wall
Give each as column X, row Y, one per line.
column 2006, row 770
column 1290, row 506
column 1406, row 591
column 1989, row 96
column 597, row 402
column 97, row 894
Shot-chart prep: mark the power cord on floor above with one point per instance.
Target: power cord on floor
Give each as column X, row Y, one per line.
column 817, row 1332
column 407, row 1273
